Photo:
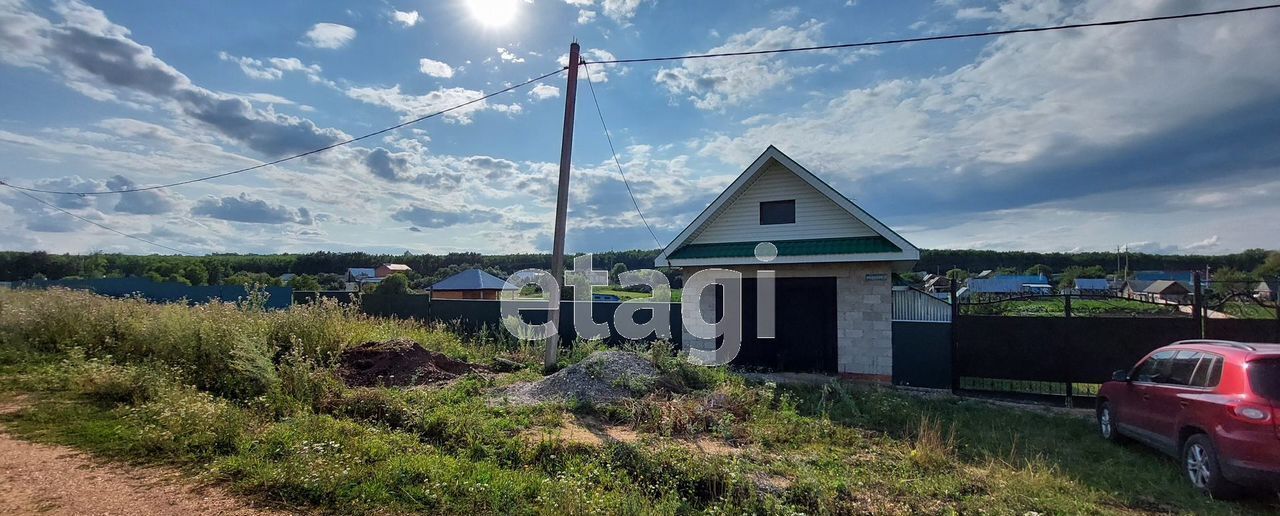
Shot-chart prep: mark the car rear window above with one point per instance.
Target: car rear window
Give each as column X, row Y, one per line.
column 1264, row 378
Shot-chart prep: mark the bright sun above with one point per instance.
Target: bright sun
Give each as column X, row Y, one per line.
column 493, row 13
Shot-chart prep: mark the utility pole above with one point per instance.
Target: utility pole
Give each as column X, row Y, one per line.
column 562, row 208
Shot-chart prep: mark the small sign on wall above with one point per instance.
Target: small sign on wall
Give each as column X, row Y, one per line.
column 877, row 277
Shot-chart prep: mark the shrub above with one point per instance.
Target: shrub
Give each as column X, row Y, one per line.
column 931, row 450
column 372, row 405
column 113, row 384
column 396, row 283
column 305, row 382
column 183, row 423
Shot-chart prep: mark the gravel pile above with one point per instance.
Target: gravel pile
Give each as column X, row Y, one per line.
column 602, row 377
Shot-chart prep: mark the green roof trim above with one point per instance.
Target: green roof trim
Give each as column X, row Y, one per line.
column 811, row 247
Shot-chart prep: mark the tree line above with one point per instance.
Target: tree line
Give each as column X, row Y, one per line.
column 219, row 269
column 327, row 268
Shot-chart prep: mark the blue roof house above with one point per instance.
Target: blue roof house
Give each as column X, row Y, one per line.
column 470, row 284
column 1006, row 285
column 1092, row 286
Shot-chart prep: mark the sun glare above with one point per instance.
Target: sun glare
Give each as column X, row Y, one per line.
column 493, row 13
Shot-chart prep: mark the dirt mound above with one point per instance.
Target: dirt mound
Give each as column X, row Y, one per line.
column 602, row 377
column 399, row 362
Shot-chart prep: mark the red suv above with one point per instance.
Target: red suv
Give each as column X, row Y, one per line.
column 1215, row 404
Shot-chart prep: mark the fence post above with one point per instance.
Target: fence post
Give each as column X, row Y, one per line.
column 955, row 318
column 1066, row 348
column 1197, row 307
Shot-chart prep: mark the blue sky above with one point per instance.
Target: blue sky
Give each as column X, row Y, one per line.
column 1161, row 137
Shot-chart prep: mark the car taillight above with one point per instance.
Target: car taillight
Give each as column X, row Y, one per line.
column 1250, row 412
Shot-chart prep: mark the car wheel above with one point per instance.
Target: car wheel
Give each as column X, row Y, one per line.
column 1107, row 423
column 1200, row 465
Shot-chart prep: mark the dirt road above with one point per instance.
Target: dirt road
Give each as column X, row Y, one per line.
column 42, row 479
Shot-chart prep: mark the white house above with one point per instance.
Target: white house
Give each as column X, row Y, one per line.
column 833, row 264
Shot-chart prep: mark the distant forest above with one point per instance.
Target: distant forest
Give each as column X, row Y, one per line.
column 238, row 268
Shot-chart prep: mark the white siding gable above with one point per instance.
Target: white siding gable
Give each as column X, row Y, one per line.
column 817, row 216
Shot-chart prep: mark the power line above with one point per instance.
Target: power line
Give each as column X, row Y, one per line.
column 103, row 226
column 295, row 156
column 944, row 36
column 590, row 84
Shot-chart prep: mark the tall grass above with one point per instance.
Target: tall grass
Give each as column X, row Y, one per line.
column 228, row 349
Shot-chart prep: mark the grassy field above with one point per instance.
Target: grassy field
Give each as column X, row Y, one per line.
column 1245, row 309
column 250, row 398
column 625, row 295
column 1079, row 307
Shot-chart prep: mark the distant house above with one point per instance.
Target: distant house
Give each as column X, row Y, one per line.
column 937, row 284
column 1011, row 285
column 287, row 277
column 1135, row 289
column 388, row 269
column 362, row 275
column 470, row 284
column 1092, row 286
column 1266, row 290
column 1168, row 290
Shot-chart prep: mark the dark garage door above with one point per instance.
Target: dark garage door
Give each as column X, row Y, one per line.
column 805, row 327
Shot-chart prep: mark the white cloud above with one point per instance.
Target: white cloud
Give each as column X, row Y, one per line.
column 329, row 35
column 620, row 11
column 266, row 98
column 407, row 19
column 1025, row 98
column 435, row 68
column 544, row 92
column 253, row 68
column 1203, row 245
column 784, row 13
column 580, row 3
column 719, row 83
column 274, row 68
column 1016, row 12
column 586, row 16
column 418, row 105
column 509, row 56
column 22, row 35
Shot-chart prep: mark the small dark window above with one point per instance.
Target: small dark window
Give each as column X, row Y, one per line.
column 1181, row 368
column 1209, row 372
column 1155, row 368
column 778, row 212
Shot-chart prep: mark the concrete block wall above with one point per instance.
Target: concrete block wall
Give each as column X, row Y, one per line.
column 864, row 327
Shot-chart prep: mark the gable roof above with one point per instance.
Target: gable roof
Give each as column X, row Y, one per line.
column 361, row 272
column 397, row 266
column 1166, row 287
column 1007, row 284
column 885, row 245
column 1092, row 284
column 472, row 279
column 1137, row 285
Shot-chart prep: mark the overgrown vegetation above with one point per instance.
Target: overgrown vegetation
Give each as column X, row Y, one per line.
column 250, row 398
column 1055, row 307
